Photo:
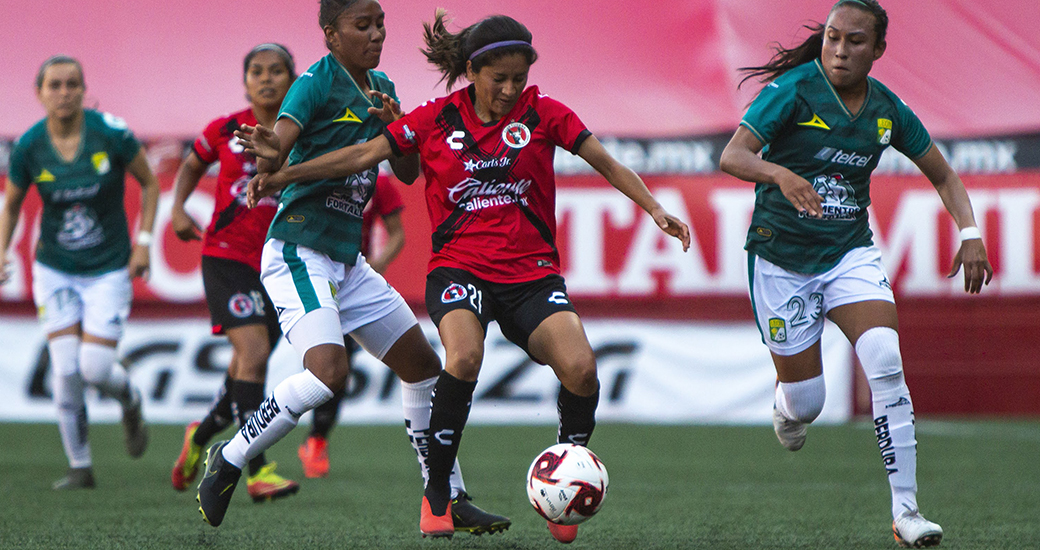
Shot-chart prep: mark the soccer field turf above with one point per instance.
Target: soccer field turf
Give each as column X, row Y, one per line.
column 670, row 487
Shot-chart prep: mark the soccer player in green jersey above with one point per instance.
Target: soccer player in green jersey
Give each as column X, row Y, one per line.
column 321, row 285
column 821, row 124
column 78, row 158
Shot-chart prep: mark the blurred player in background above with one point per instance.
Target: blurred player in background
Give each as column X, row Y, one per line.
column 312, row 267
column 490, row 191
column 385, row 204
column 238, row 305
column 78, row 159
column 821, row 125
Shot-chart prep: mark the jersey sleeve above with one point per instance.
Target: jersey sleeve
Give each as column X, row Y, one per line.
column 407, row 133
column 770, row 111
column 205, row 146
column 386, row 199
column 305, row 95
column 911, row 137
column 564, row 128
column 18, row 166
column 124, row 143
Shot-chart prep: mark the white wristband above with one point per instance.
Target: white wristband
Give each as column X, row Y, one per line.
column 144, row 238
column 969, row 233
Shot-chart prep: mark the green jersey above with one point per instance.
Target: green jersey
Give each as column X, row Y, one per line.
column 806, row 128
column 83, row 224
column 332, row 113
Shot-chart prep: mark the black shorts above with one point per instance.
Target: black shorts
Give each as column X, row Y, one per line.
column 518, row 307
column 236, row 297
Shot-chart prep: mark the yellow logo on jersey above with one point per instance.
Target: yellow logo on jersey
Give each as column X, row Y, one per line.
column 332, row 288
column 816, row 122
column 348, row 116
column 101, row 163
column 44, row 176
column 884, row 131
column 777, row 330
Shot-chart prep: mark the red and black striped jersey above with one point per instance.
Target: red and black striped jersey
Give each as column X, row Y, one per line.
column 490, row 188
column 235, row 232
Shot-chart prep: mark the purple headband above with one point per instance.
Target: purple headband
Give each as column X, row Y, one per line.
column 501, row 44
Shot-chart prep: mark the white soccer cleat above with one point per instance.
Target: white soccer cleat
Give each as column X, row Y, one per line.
column 911, row 530
column 791, row 433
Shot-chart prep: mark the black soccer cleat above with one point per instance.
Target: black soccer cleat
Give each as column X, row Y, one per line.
column 75, row 478
column 473, row 520
column 217, row 485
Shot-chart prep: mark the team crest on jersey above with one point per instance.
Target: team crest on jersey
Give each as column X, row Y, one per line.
column 516, row 135
column 839, row 199
column 101, row 163
column 240, row 305
column 777, row 330
column 454, row 293
column 884, row 131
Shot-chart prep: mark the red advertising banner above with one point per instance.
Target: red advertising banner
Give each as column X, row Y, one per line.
column 613, row 253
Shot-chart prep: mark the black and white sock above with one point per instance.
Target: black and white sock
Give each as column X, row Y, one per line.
column 577, row 417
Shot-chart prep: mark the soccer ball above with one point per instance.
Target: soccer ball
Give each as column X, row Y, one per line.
column 566, row 484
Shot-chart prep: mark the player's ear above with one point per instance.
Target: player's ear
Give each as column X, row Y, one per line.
column 879, row 49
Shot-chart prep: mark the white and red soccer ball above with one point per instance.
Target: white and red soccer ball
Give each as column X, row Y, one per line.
column 567, row 483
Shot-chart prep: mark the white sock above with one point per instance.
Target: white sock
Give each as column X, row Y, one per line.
column 276, row 416
column 68, row 396
column 415, row 398
column 802, row 400
column 878, row 351
column 98, row 364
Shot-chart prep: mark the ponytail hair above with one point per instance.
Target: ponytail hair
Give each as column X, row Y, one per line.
column 784, row 60
column 481, row 43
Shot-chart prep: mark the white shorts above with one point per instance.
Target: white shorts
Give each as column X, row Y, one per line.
column 301, row 280
column 790, row 308
column 99, row 303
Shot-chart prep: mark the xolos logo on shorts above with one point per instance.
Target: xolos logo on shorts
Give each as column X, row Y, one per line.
column 240, row 305
column 453, row 293
column 516, row 135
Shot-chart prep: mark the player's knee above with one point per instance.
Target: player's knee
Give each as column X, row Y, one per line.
column 580, row 373
column 878, row 352
column 465, row 364
column 95, row 371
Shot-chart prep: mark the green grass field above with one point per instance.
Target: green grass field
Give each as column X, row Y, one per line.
column 671, row 487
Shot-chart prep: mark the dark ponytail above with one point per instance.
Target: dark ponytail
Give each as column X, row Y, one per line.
column 481, row 43
column 809, row 50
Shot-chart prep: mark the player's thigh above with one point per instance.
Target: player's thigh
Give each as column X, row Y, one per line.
column 788, row 307
column 59, row 308
column 106, row 305
column 560, row 342
column 858, row 295
column 364, row 298
column 460, row 305
column 521, row 308
column 299, row 281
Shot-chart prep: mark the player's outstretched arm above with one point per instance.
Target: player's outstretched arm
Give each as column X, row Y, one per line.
column 628, row 182
column 972, row 253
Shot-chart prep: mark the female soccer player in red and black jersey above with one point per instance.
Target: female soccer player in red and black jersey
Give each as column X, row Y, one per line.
column 487, row 154
column 238, row 305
